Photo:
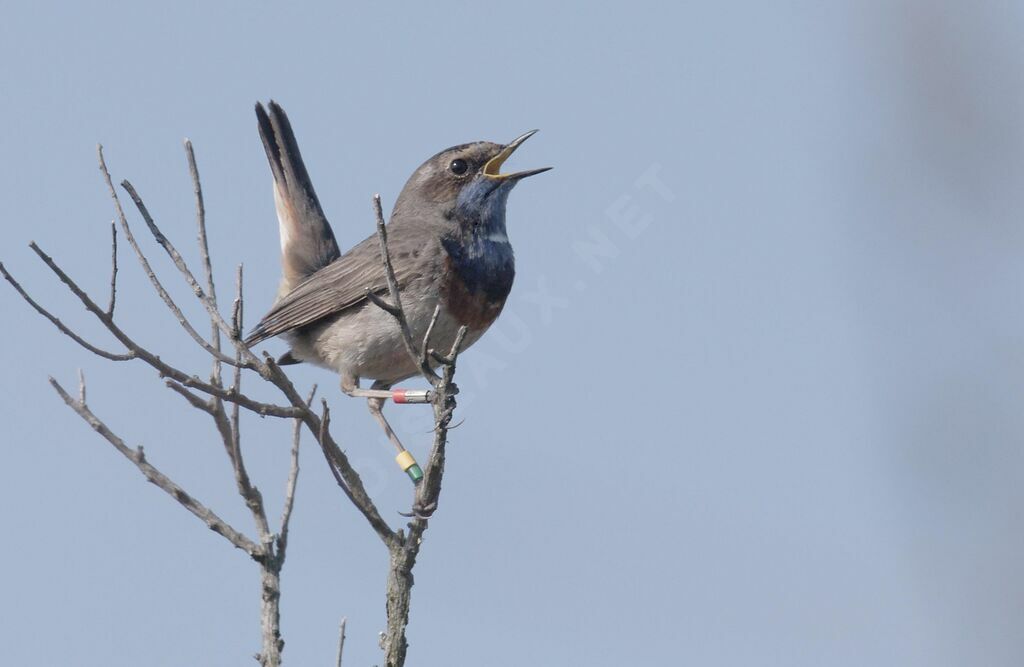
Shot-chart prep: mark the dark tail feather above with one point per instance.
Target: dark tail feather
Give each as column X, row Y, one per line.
column 307, row 241
column 257, row 335
column 288, row 359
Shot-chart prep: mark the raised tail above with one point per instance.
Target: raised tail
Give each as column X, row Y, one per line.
column 307, row 241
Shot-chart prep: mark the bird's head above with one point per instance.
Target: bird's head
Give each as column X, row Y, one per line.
column 463, row 184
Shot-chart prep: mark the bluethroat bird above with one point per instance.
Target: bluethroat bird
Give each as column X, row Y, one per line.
column 448, row 246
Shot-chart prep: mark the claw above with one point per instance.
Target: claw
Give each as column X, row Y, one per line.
column 421, row 512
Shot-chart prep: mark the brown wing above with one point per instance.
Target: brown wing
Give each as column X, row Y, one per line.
column 341, row 285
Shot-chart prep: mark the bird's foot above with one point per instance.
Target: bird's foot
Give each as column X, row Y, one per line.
column 421, row 511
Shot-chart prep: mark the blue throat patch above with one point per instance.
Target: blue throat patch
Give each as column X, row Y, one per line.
column 480, row 251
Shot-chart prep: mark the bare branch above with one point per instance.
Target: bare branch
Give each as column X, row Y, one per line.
column 136, row 456
column 270, row 613
column 429, row 490
column 250, row 359
column 403, row 552
column 147, row 269
column 293, row 478
column 231, row 394
column 454, row 352
column 204, row 254
column 346, row 476
column 457, row 344
column 237, row 305
column 388, row 308
column 252, row 496
column 426, row 337
column 204, row 248
column 341, row 640
column 349, row 479
column 236, row 324
column 215, row 409
column 112, row 356
column 193, row 399
column 230, row 434
column 113, row 268
column 136, row 351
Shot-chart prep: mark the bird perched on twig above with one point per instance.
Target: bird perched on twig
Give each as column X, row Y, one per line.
column 449, row 250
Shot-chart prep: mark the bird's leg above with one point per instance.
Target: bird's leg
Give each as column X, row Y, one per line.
column 375, row 397
column 376, row 406
column 399, row 396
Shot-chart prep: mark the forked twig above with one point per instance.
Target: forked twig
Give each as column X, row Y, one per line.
column 395, row 307
column 138, row 457
column 148, row 270
column 112, row 356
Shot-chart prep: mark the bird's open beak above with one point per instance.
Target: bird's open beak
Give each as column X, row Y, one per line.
column 493, row 166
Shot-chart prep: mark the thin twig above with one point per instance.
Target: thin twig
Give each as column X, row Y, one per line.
column 325, row 425
column 113, row 268
column 404, row 552
column 250, row 359
column 213, row 407
column 147, row 269
column 395, row 307
column 426, row 337
column 136, row 456
column 231, row 395
column 112, row 356
column 346, row 477
column 136, row 351
column 429, row 490
column 252, row 496
column 293, row 478
column 193, row 399
column 341, row 640
column 204, row 247
column 388, row 308
column 204, row 254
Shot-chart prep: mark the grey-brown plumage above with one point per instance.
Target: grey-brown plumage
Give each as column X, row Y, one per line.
column 448, row 244
column 337, row 286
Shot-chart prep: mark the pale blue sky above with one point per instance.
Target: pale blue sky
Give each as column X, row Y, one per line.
column 778, row 422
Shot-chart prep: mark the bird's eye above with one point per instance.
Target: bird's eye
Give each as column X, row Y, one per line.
column 458, row 167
